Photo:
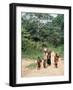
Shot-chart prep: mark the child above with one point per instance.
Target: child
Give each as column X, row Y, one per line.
column 56, row 59
column 44, row 63
column 39, row 63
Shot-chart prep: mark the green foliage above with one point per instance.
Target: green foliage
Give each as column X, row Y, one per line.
column 40, row 30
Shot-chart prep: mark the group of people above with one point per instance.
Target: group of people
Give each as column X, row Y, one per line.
column 47, row 59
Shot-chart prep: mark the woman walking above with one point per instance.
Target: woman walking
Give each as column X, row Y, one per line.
column 47, row 58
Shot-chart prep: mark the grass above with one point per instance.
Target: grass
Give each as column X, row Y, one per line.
column 35, row 53
column 32, row 54
column 59, row 50
column 31, row 66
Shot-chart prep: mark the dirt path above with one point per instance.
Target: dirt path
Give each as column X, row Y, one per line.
column 49, row 71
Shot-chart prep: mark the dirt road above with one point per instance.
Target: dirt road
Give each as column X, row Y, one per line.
column 49, row 71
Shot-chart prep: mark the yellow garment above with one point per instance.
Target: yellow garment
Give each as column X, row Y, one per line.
column 45, row 56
